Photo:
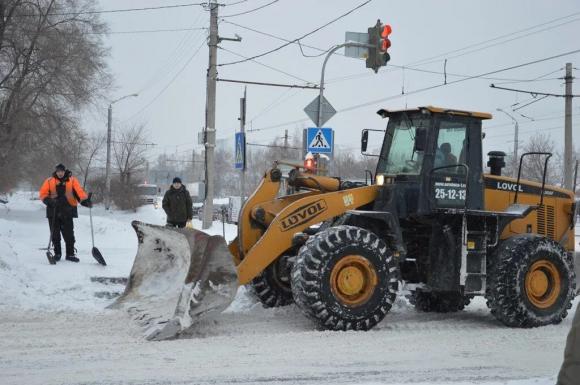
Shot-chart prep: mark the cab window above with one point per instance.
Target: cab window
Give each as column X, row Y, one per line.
column 451, row 146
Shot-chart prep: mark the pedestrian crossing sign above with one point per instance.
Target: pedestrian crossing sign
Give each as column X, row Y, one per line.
column 320, row 140
column 240, row 151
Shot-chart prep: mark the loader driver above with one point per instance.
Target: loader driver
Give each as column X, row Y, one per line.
column 177, row 205
column 60, row 193
column 444, row 156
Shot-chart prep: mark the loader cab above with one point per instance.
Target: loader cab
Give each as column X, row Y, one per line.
column 430, row 159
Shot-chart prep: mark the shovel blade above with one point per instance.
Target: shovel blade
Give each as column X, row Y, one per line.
column 50, row 258
column 98, row 256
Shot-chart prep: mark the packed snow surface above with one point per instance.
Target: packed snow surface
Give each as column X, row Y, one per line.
column 54, row 328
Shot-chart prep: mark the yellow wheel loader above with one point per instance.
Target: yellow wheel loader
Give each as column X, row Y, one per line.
column 430, row 218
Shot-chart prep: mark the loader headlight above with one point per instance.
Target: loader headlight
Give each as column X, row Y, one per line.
column 382, row 179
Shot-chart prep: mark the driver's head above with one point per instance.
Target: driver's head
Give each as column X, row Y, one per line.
column 445, row 148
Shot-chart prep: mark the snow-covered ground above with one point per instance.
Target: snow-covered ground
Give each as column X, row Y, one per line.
column 54, row 328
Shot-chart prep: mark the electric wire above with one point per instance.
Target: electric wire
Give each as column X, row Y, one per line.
column 428, row 88
column 117, row 10
column 299, row 38
column 167, row 85
column 268, row 66
column 251, row 10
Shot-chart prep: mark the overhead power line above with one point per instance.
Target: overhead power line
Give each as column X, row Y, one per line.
column 251, row 10
column 533, row 93
column 148, row 31
column 168, row 84
column 267, row 66
column 299, row 38
column 268, row 84
column 357, row 106
column 118, row 10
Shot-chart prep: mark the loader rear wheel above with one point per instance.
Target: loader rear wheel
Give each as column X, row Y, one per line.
column 272, row 286
column 345, row 278
column 439, row 302
column 532, row 282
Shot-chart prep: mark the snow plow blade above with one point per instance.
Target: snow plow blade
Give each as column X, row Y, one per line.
column 179, row 277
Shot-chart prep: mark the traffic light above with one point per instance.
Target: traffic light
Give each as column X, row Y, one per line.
column 379, row 45
column 310, row 163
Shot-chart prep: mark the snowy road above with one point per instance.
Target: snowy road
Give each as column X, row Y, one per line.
column 53, row 330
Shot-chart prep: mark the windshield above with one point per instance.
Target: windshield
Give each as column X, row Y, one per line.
column 146, row 190
column 401, row 153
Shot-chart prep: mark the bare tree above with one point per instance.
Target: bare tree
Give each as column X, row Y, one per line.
column 129, row 149
column 533, row 165
column 51, row 65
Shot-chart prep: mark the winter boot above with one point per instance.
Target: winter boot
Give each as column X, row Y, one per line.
column 71, row 258
column 70, row 253
column 57, row 252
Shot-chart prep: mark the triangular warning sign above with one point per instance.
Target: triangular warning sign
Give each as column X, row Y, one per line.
column 319, row 141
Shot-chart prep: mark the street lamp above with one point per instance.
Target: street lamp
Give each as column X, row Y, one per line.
column 108, row 167
column 516, row 126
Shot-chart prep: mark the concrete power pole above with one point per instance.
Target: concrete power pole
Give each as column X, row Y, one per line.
column 210, row 116
column 242, row 130
column 568, row 166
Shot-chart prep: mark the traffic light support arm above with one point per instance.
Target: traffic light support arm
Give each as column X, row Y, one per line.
column 328, row 55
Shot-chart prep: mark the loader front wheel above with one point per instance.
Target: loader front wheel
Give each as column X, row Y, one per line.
column 345, row 278
column 531, row 282
column 272, row 286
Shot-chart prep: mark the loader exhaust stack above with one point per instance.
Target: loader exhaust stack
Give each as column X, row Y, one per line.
column 179, row 277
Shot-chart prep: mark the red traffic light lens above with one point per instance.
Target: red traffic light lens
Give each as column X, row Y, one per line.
column 385, row 44
column 386, row 30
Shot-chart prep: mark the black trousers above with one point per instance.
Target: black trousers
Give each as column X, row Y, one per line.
column 64, row 225
column 176, row 224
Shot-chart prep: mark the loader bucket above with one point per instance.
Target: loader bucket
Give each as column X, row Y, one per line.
column 179, row 277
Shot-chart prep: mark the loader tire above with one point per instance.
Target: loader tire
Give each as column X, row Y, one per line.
column 531, row 282
column 439, row 302
column 272, row 286
column 345, row 278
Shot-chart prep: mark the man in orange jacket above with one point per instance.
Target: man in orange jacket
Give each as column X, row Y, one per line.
column 60, row 193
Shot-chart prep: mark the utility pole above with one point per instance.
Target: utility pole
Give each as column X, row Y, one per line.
column 210, row 116
column 515, row 160
column 213, row 42
column 108, row 166
column 568, row 182
column 243, row 130
column 285, row 155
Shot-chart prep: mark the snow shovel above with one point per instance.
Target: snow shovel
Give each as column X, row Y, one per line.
column 49, row 255
column 96, row 253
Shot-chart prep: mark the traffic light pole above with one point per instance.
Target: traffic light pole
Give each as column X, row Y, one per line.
column 330, row 53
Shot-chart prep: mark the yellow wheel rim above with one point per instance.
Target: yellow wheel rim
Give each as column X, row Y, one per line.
column 353, row 280
column 543, row 284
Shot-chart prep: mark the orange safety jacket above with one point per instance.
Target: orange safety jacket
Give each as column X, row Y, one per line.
column 73, row 190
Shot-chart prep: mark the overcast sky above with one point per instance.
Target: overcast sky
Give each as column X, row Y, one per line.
column 168, row 69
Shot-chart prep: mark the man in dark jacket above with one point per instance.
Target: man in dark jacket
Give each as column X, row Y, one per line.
column 60, row 193
column 177, row 204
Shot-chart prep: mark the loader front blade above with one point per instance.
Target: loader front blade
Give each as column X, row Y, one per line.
column 179, row 277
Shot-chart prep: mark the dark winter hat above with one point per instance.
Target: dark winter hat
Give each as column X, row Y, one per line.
column 60, row 167
column 176, row 180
